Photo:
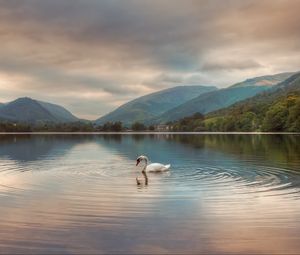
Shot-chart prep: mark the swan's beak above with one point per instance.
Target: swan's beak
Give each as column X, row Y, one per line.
column 137, row 162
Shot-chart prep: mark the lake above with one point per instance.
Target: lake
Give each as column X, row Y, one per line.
column 225, row 193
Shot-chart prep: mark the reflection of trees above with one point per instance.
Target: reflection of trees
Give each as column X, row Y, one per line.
column 274, row 148
column 277, row 148
column 157, row 147
column 196, row 141
column 138, row 137
column 113, row 137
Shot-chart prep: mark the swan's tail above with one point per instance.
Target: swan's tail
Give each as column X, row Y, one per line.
column 167, row 166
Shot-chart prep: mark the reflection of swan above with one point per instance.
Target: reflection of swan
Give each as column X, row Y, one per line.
column 154, row 167
column 145, row 176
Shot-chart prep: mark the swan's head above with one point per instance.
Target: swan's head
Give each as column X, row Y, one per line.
column 140, row 159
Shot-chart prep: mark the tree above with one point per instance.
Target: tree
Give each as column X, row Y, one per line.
column 151, row 128
column 246, row 122
column 117, row 126
column 276, row 118
column 137, row 126
column 294, row 117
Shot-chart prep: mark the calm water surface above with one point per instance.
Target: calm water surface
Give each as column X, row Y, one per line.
column 77, row 194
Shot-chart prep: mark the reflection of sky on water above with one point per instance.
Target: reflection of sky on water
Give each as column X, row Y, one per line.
column 78, row 194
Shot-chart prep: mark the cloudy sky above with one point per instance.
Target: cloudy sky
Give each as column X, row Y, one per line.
column 91, row 55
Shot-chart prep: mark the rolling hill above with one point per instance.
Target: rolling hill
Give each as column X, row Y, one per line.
column 219, row 99
column 147, row 107
column 32, row 111
column 277, row 109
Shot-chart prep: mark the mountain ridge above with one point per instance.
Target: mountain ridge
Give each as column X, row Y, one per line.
column 265, row 80
column 218, row 99
column 148, row 106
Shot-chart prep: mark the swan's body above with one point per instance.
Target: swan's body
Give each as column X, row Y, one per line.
column 154, row 167
column 157, row 167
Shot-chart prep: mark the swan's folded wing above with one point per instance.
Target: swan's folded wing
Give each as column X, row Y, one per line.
column 156, row 167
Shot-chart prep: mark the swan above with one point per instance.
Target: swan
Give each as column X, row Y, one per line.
column 154, row 167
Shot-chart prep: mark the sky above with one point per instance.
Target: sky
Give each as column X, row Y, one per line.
column 91, row 56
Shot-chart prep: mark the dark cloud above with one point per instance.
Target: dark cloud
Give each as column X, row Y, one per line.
column 115, row 50
column 229, row 64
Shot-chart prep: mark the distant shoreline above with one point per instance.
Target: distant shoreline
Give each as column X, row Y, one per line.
column 149, row 133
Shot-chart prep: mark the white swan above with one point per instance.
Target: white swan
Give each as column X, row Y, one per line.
column 154, row 167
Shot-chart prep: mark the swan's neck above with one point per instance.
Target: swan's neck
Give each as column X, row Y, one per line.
column 145, row 166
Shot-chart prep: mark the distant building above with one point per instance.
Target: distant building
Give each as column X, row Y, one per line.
column 162, row 128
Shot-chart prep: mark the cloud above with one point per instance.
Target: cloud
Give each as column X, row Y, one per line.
column 229, row 64
column 116, row 50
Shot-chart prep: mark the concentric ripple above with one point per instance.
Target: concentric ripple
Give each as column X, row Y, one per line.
column 248, row 178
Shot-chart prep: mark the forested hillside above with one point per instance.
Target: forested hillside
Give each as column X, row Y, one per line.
column 273, row 111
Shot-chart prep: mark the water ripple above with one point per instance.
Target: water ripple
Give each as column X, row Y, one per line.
column 54, row 196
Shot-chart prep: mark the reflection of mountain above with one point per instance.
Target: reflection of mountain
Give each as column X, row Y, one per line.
column 162, row 148
column 33, row 147
column 157, row 147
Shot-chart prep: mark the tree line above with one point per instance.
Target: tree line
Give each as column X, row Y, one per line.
column 79, row 126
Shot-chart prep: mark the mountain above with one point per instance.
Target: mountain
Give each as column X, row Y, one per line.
column 277, row 109
column 219, row 99
column 32, row 111
column 146, row 107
